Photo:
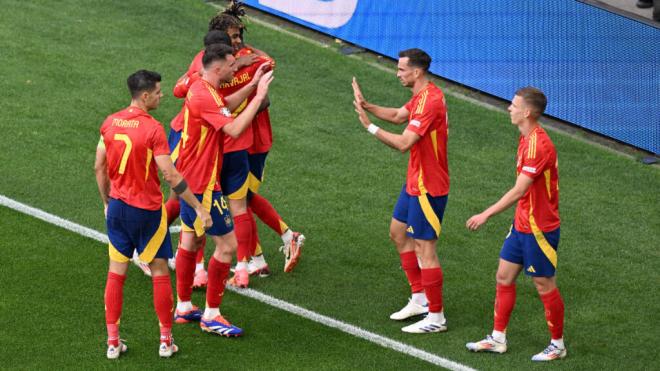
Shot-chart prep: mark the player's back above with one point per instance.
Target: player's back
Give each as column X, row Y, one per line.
column 132, row 138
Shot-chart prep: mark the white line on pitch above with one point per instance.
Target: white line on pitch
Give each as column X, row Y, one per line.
column 267, row 299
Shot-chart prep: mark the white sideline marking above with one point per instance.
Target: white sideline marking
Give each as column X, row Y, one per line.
column 256, row 295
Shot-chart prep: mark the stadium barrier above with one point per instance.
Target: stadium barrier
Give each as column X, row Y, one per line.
column 600, row 70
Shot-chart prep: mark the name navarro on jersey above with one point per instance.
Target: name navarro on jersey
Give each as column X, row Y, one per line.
column 240, row 79
column 126, row 123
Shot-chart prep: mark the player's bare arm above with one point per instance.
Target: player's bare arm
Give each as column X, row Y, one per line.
column 523, row 182
column 102, row 179
column 242, row 121
column 401, row 142
column 390, row 114
column 234, row 100
column 178, row 185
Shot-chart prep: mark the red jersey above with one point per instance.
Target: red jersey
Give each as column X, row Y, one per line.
column 200, row 157
column 427, row 167
column 132, row 138
column 538, row 208
column 183, row 85
column 261, row 129
column 241, row 78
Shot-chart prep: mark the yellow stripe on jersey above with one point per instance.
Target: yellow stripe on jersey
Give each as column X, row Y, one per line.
column 184, row 135
column 434, row 140
column 429, row 214
column 150, row 154
column 115, row 255
column 214, row 94
column 206, row 199
column 420, row 181
column 547, row 183
column 101, row 143
column 240, row 108
column 175, row 154
column 422, row 102
column 202, row 139
column 547, row 249
column 531, row 146
column 156, row 241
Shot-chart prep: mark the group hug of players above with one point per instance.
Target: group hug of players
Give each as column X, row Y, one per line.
column 217, row 147
column 219, row 142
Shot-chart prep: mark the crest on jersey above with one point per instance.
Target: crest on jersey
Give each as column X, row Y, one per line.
column 225, row 112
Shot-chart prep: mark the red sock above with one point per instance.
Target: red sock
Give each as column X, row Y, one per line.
column 200, row 252
column 432, row 282
column 185, row 273
column 255, row 235
column 413, row 272
column 173, row 208
column 505, row 300
column 243, row 229
column 267, row 213
column 114, row 297
column 164, row 304
column 554, row 313
column 218, row 272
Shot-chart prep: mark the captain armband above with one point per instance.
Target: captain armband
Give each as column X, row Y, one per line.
column 181, row 187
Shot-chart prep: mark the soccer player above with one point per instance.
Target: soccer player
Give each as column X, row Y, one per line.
column 176, row 126
column 229, row 21
column 207, row 118
column 533, row 238
column 131, row 150
column 180, row 90
column 416, row 221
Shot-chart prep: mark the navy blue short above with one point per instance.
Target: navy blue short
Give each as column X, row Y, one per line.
column 174, row 139
column 216, row 206
column 234, row 174
column 257, row 165
column 421, row 214
column 131, row 228
column 536, row 252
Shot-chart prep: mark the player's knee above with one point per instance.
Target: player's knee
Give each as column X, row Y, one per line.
column 504, row 277
column 544, row 284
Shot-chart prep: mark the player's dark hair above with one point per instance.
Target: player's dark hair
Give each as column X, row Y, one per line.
column 215, row 52
column 417, row 58
column 230, row 17
column 216, row 37
column 142, row 81
column 535, row 98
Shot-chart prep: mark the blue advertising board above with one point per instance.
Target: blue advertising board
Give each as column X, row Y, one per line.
column 600, row 70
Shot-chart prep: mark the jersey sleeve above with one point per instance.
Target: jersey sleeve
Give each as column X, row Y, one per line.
column 535, row 159
column 422, row 115
column 159, row 143
column 214, row 112
column 101, row 144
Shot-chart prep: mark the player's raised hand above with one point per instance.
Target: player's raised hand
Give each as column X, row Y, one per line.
column 476, row 221
column 245, row 60
column 362, row 114
column 205, row 217
column 357, row 93
column 264, row 82
column 263, row 68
